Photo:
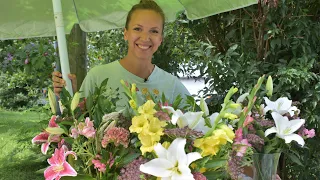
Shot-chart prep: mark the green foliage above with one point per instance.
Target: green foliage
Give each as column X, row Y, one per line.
column 25, row 69
column 20, row 90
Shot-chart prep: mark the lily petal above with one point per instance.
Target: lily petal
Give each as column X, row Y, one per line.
column 40, row 138
column 294, row 137
column 270, row 131
column 295, row 125
column 292, row 110
column 52, row 122
column 50, row 173
column 280, row 121
column 67, row 170
column 193, row 119
column 157, row 167
column 176, row 150
column 193, row 157
column 160, row 151
column 45, row 147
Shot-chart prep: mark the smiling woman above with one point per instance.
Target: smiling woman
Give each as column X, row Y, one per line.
column 144, row 34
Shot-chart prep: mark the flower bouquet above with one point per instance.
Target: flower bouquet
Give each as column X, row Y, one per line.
column 264, row 130
column 154, row 139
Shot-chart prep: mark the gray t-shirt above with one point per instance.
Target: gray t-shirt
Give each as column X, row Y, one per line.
column 159, row 79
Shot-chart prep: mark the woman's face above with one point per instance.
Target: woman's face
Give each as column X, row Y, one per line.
column 144, row 34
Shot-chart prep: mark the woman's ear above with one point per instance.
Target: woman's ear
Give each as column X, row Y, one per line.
column 125, row 34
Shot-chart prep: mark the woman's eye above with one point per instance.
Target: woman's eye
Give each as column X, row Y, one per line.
column 137, row 29
column 155, row 31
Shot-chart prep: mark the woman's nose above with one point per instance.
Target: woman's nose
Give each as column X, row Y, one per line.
column 145, row 36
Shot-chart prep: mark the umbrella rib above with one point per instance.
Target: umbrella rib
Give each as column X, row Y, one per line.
column 75, row 7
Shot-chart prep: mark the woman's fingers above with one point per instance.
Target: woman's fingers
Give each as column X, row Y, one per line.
column 56, row 73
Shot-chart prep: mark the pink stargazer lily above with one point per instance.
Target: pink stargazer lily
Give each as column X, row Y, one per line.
column 45, row 138
column 59, row 166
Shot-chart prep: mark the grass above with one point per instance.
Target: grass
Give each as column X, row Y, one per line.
column 18, row 157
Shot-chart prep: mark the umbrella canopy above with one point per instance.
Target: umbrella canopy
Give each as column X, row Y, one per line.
column 34, row 18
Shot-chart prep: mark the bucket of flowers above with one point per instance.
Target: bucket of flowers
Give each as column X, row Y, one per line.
column 152, row 138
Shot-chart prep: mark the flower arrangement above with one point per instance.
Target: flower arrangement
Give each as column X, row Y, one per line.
column 265, row 127
column 154, row 139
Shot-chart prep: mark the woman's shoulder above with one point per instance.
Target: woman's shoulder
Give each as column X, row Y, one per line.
column 104, row 68
column 164, row 74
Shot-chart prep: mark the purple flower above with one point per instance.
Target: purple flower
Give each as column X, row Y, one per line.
column 9, row 57
column 26, row 61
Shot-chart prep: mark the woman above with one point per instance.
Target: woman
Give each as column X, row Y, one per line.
column 144, row 34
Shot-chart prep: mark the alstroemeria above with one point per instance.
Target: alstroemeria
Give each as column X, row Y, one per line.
column 281, row 106
column 45, row 138
column 59, row 166
column 87, row 128
column 172, row 163
column 285, row 129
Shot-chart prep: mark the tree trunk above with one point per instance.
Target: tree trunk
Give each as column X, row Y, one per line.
column 77, row 51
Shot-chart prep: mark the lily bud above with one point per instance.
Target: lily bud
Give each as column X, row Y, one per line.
column 204, row 107
column 55, row 130
column 75, row 101
column 234, row 105
column 269, row 86
column 52, row 101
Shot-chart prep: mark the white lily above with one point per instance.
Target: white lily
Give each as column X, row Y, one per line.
column 201, row 126
column 190, row 119
column 172, row 163
column 285, row 129
column 281, row 106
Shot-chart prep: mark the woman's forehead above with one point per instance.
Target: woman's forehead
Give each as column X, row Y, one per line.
column 146, row 18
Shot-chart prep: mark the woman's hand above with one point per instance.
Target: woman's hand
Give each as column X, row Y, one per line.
column 59, row 83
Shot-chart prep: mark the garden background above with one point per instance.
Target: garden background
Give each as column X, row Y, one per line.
column 280, row 38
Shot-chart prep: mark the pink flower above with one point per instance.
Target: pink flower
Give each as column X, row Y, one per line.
column 26, row 61
column 247, row 121
column 199, row 176
column 241, row 147
column 117, row 136
column 86, row 129
column 99, row 165
column 45, row 138
column 238, row 134
column 309, row 133
column 74, row 133
column 59, row 166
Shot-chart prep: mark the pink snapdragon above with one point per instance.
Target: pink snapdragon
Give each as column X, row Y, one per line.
column 239, row 135
column 45, row 138
column 117, row 135
column 241, row 147
column 248, row 121
column 59, row 166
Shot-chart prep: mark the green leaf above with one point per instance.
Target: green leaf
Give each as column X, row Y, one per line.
column 41, row 171
column 128, row 158
column 294, row 158
column 216, row 163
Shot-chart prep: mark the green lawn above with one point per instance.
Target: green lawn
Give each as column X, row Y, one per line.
column 18, row 157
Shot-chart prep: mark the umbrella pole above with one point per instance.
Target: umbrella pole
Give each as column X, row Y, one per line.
column 62, row 44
